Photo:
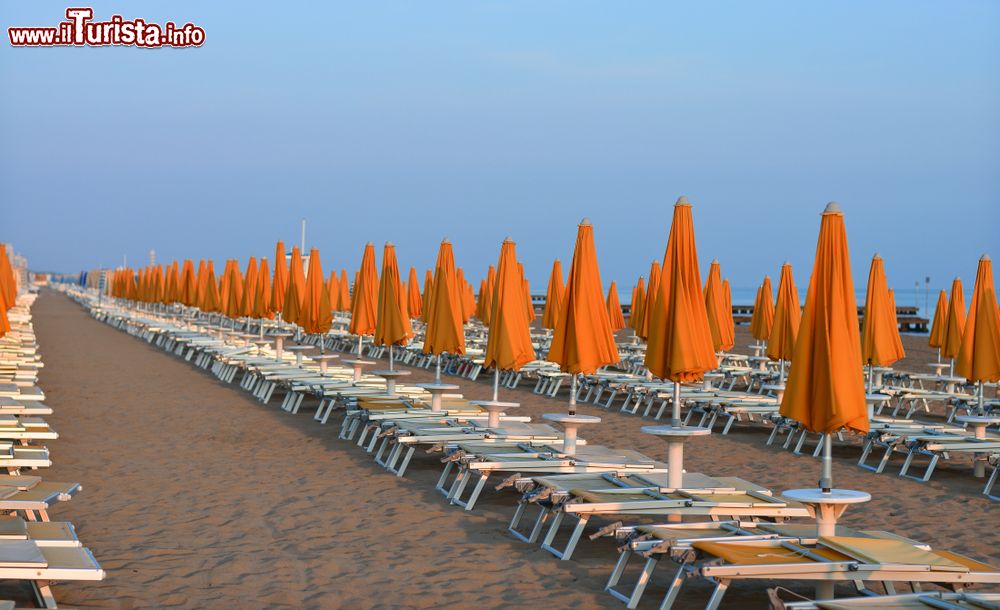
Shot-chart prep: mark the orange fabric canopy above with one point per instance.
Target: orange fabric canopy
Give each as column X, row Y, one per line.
column 680, row 341
column 425, row 302
column 940, row 323
column 262, row 303
column 715, row 306
column 485, row 303
column 637, row 306
column 880, row 342
column 651, row 294
column 414, row 303
column 583, row 340
column 296, row 289
column 615, row 316
column 249, row 289
column 210, row 300
column 333, row 289
column 763, row 312
column 279, row 285
column 444, row 317
column 956, row 321
column 365, row 297
column 825, row 390
column 344, row 301
column 316, row 317
column 509, row 344
column 979, row 355
column 392, row 325
column 787, row 314
column 189, row 285
column 553, row 296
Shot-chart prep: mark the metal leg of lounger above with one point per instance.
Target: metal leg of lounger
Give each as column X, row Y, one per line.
column 364, row 434
column 373, row 442
column 717, row 594
column 729, row 423
column 574, row 538
column 458, row 484
column 663, row 407
column 673, row 589
column 476, row 491
column 298, row 402
column 381, row 450
column 631, row 601
column 788, row 441
column 43, row 594
column 443, row 478
column 988, row 490
column 406, row 461
column 774, row 433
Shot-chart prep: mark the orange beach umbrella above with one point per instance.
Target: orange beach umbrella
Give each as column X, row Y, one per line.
column 637, row 305
column 444, row 317
column 583, row 340
column 825, row 390
column 392, row 326
column 553, row 296
column 956, row 322
column 651, row 294
column 880, row 342
column 936, row 338
column 317, row 316
column 414, row 304
column 295, row 290
column 979, row 354
column 365, row 298
column 763, row 312
column 509, row 343
column 279, row 284
column 787, row 315
column 615, row 309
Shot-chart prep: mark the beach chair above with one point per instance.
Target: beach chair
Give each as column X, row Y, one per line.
column 936, row 600
column 850, row 559
column 581, row 498
column 39, row 564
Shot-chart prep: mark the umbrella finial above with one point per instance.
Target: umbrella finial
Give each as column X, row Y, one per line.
column 715, row 261
column 833, row 208
column 585, row 221
column 985, row 257
column 682, row 200
column 508, row 240
column 877, row 256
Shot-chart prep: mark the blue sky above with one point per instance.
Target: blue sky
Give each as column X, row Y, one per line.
column 409, row 122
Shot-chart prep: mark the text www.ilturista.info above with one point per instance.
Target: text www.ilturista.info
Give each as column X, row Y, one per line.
column 79, row 29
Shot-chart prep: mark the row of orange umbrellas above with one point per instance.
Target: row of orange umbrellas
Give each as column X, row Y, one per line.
column 8, row 289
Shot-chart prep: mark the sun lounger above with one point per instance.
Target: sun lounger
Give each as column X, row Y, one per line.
column 41, row 564
column 939, row 600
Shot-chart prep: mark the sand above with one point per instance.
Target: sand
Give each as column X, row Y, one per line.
column 196, row 496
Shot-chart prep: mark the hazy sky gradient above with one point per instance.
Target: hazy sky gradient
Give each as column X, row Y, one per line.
column 411, row 121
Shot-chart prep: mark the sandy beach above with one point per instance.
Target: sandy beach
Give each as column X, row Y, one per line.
column 197, row 496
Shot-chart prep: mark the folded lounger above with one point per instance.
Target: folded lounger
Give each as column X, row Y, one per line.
column 581, row 497
column 38, row 564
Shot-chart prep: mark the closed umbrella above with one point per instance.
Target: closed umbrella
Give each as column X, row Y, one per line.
column 392, row 326
column 583, row 340
column 249, row 289
column 715, row 306
column 679, row 347
column 425, row 301
column 880, row 343
column 316, row 317
column 485, row 304
column 763, row 312
column 333, row 289
column 553, row 296
column 648, row 306
column 615, row 309
column 637, row 306
column 210, row 300
column 189, row 285
column 344, row 301
column 956, row 324
column 414, row 303
column 979, row 354
column 279, row 284
column 444, row 333
column 295, row 291
column 787, row 315
column 936, row 339
column 826, row 390
column 262, row 303
column 508, row 345
column 365, row 298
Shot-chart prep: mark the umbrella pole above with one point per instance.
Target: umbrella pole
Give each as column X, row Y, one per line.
column 437, row 370
column 981, row 399
column 675, row 420
column 359, row 346
column 390, row 357
column 496, row 383
column 572, row 396
column 951, row 369
column 781, row 375
column 871, row 378
column 826, row 478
